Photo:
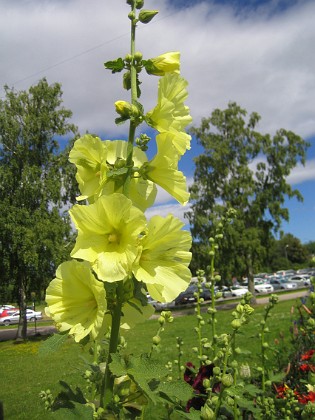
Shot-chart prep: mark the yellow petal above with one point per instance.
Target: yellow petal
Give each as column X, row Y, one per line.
column 162, row 169
column 163, row 263
column 108, row 235
column 89, row 156
column 76, row 300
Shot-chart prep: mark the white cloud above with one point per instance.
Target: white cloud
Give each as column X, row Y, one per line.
column 163, row 210
column 303, row 173
column 263, row 62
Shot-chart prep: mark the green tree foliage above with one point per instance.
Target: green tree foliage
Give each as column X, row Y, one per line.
column 287, row 252
column 243, row 169
column 310, row 248
column 34, row 182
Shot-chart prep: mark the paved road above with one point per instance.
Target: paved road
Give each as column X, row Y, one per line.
column 10, row 334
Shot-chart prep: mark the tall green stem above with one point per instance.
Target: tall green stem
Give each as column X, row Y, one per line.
column 213, row 311
column 134, row 97
column 108, row 381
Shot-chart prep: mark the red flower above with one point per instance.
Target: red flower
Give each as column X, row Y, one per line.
column 308, row 355
column 305, row 367
column 281, row 390
column 305, row 398
column 196, row 381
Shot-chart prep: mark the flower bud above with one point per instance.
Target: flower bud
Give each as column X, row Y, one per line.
column 156, row 340
column 227, row 380
column 138, row 56
column 139, row 4
column 236, row 324
column 132, row 15
column 145, row 16
column 164, row 63
column 126, row 109
column 216, row 371
column 245, row 370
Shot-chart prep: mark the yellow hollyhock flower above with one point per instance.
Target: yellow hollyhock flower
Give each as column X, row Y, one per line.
column 89, row 156
column 141, row 192
column 163, row 170
column 94, row 158
column 76, row 301
column 163, row 263
column 164, row 63
column 170, row 114
column 108, row 235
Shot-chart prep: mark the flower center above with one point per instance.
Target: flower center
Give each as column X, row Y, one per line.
column 113, row 238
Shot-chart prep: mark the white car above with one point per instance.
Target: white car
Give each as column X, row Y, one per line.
column 263, row 288
column 238, row 290
column 15, row 317
column 301, row 279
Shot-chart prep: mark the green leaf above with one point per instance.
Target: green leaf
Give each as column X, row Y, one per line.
column 176, row 390
column 118, row 365
column 192, row 415
column 52, row 344
column 79, row 411
column 115, row 66
column 144, row 371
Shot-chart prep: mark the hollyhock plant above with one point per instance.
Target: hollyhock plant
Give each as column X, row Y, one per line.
column 119, row 256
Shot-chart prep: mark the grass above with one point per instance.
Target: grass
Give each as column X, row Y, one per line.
column 24, row 373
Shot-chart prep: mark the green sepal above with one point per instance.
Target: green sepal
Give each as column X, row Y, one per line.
column 151, row 69
column 114, row 173
column 115, row 66
column 121, row 120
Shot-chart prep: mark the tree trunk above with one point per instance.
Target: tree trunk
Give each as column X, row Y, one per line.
column 250, row 276
column 22, row 327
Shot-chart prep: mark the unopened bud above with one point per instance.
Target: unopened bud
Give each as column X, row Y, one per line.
column 145, row 16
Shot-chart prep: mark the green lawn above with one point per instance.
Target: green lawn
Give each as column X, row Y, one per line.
column 24, row 373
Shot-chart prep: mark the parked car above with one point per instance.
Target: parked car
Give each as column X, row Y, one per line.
column 286, row 273
column 238, row 290
column 188, row 296
column 7, row 312
column 5, row 307
column 14, row 318
column 283, row 284
column 301, row 279
column 261, row 287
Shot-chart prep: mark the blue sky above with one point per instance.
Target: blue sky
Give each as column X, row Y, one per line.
column 257, row 53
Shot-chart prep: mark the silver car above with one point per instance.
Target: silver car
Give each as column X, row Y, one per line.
column 282, row 284
column 15, row 317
